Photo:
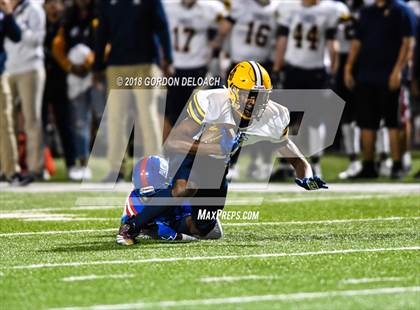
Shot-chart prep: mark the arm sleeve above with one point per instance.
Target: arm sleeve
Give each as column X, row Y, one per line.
column 332, row 25
column 59, row 50
column 162, row 30
column 331, row 33
column 34, row 33
column 101, row 39
column 11, row 28
column 282, row 31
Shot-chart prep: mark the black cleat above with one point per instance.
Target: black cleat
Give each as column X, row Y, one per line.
column 397, row 172
column 368, row 171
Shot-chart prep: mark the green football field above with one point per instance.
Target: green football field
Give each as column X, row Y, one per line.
column 322, row 250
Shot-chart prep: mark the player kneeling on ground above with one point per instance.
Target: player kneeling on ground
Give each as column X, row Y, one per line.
column 143, row 217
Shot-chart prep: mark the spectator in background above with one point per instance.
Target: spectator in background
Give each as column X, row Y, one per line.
column 8, row 148
column 137, row 31
column 306, row 32
column 349, row 129
column 191, row 22
column 381, row 49
column 416, row 80
column 251, row 27
column 25, row 66
column 73, row 50
column 55, row 95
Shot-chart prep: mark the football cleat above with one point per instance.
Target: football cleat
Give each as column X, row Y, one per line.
column 407, row 162
column 124, row 236
column 216, row 233
column 368, row 171
column 86, row 173
column 353, row 169
column 74, row 173
column 397, row 171
column 185, row 237
column 385, row 167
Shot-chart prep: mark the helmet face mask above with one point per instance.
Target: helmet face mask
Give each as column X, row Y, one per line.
column 250, row 104
column 249, row 91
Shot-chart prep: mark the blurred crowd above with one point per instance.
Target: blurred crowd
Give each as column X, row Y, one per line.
column 59, row 59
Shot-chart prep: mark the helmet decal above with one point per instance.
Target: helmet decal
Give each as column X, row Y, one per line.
column 257, row 73
column 150, row 174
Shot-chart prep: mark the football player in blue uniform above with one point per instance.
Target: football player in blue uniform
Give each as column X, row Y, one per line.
column 148, row 220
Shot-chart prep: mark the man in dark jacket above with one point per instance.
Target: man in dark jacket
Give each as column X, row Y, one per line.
column 416, row 78
column 381, row 49
column 55, row 94
column 137, row 32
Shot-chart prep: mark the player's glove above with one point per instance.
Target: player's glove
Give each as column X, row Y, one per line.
column 228, row 144
column 311, row 184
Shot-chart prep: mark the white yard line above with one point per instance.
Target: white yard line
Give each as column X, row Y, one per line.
column 331, row 197
column 30, row 214
column 235, row 278
column 96, row 277
column 57, row 232
column 86, row 204
column 71, row 219
column 50, row 187
column 372, row 280
column 250, row 299
column 341, row 221
column 203, row 258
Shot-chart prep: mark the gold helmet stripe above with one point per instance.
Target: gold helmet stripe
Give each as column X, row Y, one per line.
column 257, row 73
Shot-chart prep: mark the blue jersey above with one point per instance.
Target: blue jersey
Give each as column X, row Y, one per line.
column 165, row 221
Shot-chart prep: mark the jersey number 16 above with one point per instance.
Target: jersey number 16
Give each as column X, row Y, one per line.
column 259, row 35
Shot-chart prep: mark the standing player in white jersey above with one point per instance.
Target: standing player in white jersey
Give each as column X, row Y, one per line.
column 191, row 23
column 306, row 29
column 252, row 27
